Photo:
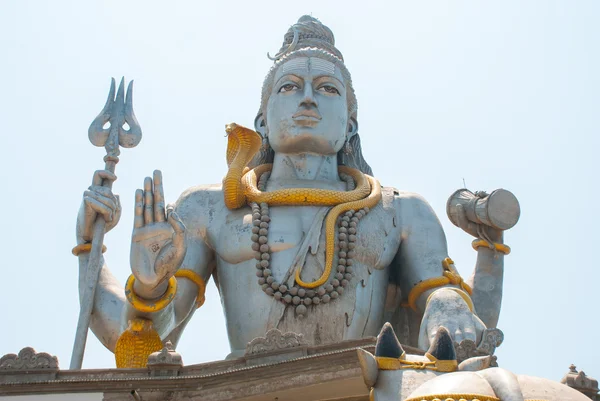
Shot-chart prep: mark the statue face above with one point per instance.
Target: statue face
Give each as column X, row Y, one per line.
column 307, row 109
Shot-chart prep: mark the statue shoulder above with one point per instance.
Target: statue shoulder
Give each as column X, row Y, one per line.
column 200, row 202
column 409, row 205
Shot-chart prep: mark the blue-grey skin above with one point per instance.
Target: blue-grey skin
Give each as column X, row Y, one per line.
column 307, row 123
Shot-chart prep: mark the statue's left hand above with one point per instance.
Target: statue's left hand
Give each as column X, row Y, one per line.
column 476, row 229
column 447, row 308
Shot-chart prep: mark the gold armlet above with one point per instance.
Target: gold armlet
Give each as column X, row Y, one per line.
column 196, row 279
column 505, row 249
column 85, row 248
column 146, row 305
column 450, row 276
column 460, row 292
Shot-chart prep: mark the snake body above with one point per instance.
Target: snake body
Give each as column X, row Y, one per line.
column 240, row 188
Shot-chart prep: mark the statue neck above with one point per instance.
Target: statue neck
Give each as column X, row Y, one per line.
column 305, row 170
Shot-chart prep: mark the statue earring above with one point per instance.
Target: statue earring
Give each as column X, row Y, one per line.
column 265, row 143
column 347, row 147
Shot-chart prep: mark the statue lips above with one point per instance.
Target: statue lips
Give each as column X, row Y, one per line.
column 307, row 118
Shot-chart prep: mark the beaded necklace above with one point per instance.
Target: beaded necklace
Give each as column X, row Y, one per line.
column 299, row 297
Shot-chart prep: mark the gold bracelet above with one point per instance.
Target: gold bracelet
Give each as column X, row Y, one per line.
column 145, row 305
column 460, row 292
column 450, row 276
column 84, row 248
column 196, row 279
column 505, row 249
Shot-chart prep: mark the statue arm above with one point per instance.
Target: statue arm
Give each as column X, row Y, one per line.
column 109, row 300
column 486, row 281
column 422, row 247
column 200, row 260
column 112, row 312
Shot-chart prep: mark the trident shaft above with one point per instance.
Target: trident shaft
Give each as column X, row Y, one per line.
column 117, row 112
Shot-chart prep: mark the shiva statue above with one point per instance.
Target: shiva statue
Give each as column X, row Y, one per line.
column 299, row 236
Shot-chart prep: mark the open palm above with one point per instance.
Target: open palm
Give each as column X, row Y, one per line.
column 158, row 239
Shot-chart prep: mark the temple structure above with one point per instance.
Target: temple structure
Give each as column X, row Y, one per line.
column 333, row 286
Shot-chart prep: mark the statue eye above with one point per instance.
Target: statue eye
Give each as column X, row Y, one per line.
column 329, row 89
column 288, row 88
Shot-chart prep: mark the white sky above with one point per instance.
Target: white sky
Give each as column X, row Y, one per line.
column 502, row 94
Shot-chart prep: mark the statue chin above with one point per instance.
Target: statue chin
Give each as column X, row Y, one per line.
column 304, row 142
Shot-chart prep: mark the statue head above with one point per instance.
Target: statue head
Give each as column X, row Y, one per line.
column 308, row 103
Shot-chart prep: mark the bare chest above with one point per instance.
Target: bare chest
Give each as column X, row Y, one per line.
column 293, row 229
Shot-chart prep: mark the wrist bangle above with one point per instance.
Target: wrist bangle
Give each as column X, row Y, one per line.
column 449, row 276
column 460, row 292
column 145, row 305
column 505, row 249
column 85, row 248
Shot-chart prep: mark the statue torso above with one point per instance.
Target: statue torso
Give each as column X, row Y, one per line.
column 356, row 313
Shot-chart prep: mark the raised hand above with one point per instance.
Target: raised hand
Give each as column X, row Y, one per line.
column 475, row 229
column 158, row 240
column 98, row 200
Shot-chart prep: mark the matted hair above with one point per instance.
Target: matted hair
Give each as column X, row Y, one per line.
column 310, row 38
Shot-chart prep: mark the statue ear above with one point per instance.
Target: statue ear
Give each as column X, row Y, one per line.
column 442, row 347
column 352, row 127
column 368, row 366
column 260, row 125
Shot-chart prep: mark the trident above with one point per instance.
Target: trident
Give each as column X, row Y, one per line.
column 117, row 112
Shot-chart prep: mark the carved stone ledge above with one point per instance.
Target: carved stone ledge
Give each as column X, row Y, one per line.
column 582, row 383
column 275, row 346
column 491, row 339
column 166, row 362
column 37, row 365
column 28, row 359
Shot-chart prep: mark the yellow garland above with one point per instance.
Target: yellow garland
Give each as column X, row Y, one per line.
column 505, row 249
column 196, row 279
column 84, row 248
column 450, row 276
column 148, row 306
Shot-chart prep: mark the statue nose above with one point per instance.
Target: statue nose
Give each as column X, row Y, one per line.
column 309, row 99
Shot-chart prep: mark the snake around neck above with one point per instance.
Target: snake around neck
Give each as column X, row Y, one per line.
column 243, row 186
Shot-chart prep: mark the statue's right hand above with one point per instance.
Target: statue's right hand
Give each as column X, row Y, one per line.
column 158, row 240
column 98, row 200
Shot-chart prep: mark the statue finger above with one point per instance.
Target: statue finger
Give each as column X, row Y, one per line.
column 148, row 201
column 100, row 209
column 479, row 329
column 469, row 333
column 104, row 191
column 159, row 197
column 108, row 202
column 458, row 335
column 101, row 175
column 118, row 209
column 138, row 219
column 464, row 222
column 178, row 228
